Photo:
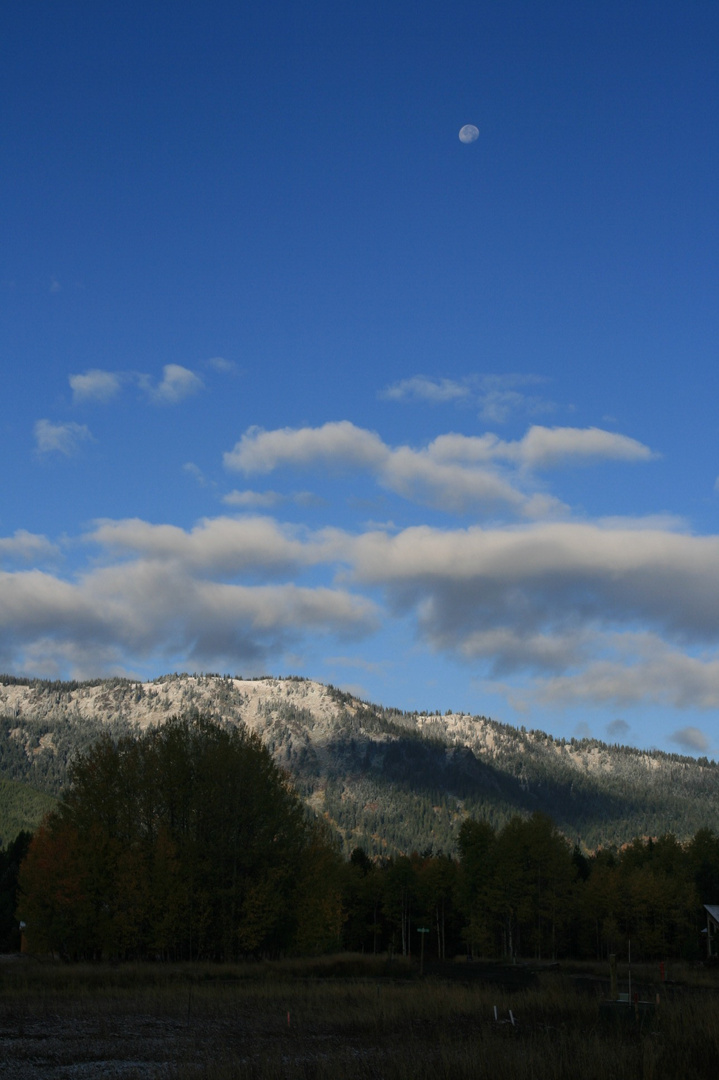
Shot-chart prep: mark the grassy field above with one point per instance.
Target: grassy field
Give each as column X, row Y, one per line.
column 348, row 1017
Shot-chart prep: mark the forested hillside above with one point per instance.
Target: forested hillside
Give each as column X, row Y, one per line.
column 386, row 780
column 21, row 807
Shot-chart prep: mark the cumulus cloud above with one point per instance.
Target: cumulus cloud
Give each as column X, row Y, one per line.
column 692, row 739
column 223, row 546
column 53, row 659
column 558, row 602
column 409, row 473
column 177, row 383
column 583, row 613
column 95, row 385
column 561, row 601
column 63, row 439
column 541, row 448
column 545, row 447
column 333, row 444
column 147, row 611
column 456, row 473
column 25, row 546
column 455, row 487
column 417, row 477
column 641, row 669
column 165, row 592
column 35, row 603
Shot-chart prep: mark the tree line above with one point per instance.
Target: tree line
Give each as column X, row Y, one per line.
column 188, row 843
column 523, row 891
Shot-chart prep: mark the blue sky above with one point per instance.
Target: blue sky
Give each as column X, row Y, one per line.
column 295, row 381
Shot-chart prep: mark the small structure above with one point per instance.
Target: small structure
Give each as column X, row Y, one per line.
column 712, row 911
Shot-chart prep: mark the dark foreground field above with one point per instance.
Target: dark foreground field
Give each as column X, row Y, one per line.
column 346, row 1017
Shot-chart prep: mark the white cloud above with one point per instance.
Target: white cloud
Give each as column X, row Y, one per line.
column 334, row 444
column 467, row 449
column 541, row 447
column 50, row 658
column 455, row 473
column 496, row 396
column 144, row 611
column 422, row 388
column 561, row 600
column 177, row 384
column 218, row 363
column 692, row 739
column 220, row 546
column 409, row 473
column 544, row 447
column 95, row 385
column 640, row 669
column 166, row 592
column 60, row 438
column 452, row 487
column 26, row 546
column 34, row 603
column 581, row 613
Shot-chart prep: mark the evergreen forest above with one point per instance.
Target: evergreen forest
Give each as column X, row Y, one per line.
column 187, row 842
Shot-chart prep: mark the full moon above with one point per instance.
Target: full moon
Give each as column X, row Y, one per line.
column 468, row 133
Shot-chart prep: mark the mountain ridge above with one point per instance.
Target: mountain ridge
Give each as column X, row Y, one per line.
column 387, row 780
